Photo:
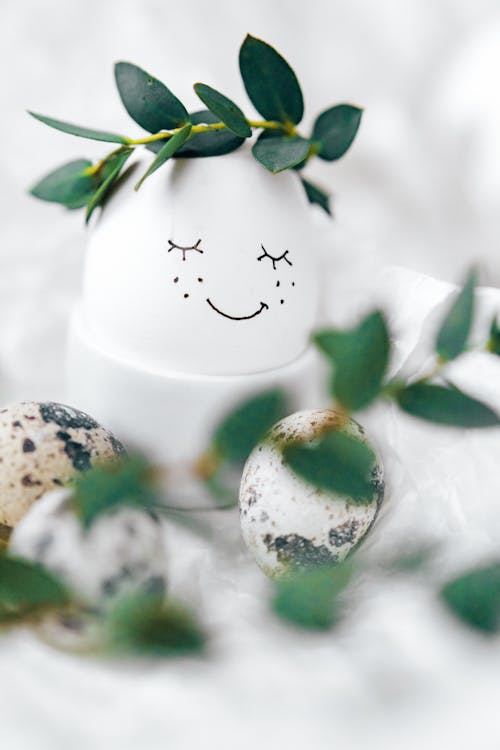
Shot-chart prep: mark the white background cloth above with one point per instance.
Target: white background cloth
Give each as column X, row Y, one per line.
column 420, row 189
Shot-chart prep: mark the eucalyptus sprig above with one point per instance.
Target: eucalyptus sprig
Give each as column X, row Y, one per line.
column 359, row 360
column 273, row 89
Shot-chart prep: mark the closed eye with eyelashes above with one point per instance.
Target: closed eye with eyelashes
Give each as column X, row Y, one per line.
column 274, row 260
column 185, row 249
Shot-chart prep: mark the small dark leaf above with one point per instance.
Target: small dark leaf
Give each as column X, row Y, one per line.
column 27, row 588
column 277, row 152
column 316, row 195
column 335, row 130
column 475, row 598
column 111, row 172
column 335, row 462
column 300, row 166
column 225, row 110
column 454, row 332
column 147, row 625
column 168, row 149
column 66, row 127
column 67, row 184
column 360, row 358
column 310, row 599
column 447, row 406
column 211, row 143
column 128, row 481
column 243, row 428
column 148, row 101
column 493, row 345
column 270, row 82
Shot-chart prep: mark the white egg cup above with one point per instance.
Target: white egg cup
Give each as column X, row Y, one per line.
column 199, row 290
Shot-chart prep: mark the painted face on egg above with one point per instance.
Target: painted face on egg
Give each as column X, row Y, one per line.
column 209, row 269
column 280, row 287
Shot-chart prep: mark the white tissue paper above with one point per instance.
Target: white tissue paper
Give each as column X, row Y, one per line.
column 398, row 672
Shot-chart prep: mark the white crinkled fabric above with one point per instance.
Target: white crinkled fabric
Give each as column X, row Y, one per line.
column 399, row 672
column 399, row 660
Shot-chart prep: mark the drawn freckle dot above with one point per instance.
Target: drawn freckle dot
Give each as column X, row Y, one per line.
column 281, row 301
column 186, row 295
column 200, row 280
column 293, row 283
column 176, row 280
column 277, row 283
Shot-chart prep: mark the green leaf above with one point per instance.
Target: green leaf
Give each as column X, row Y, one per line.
column 493, row 344
column 454, row 332
column 475, row 598
column 335, row 129
column 316, row 195
column 270, row 82
column 245, row 426
column 360, row 358
column 447, row 406
column 335, row 462
column 166, row 152
column 277, row 152
column 111, row 172
column 128, row 481
column 66, row 127
column 80, row 202
column 148, row 101
column 309, row 599
column 225, row 110
column 27, row 588
column 67, row 184
column 211, row 143
column 147, row 625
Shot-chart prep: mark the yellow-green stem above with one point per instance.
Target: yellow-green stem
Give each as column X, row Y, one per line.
column 285, row 127
column 205, row 128
column 95, row 168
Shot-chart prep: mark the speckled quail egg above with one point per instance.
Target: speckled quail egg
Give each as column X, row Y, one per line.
column 287, row 523
column 42, row 446
column 123, row 550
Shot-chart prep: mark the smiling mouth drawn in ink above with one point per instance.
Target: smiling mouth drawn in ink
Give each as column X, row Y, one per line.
column 274, row 260
column 263, row 306
column 185, row 249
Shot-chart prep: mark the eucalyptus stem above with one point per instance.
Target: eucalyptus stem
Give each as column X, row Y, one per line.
column 96, row 168
column 167, row 135
column 435, row 371
column 206, row 128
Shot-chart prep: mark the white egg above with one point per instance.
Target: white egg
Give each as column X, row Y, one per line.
column 44, row 444
column 123, row 550
column 287, row 523
column 210, row 268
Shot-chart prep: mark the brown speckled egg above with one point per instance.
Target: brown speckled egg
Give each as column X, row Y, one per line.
column 42, row 446
column 289, row 524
